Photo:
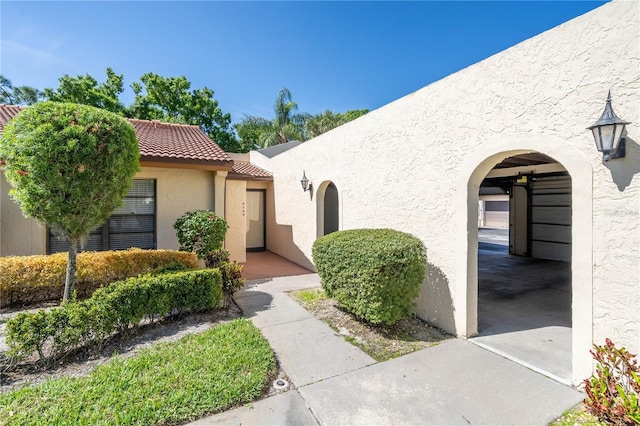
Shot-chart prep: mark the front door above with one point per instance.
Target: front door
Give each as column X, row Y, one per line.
column 256, row 229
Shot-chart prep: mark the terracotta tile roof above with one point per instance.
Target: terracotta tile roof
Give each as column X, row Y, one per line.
column 243, row 170
column 7, row 112
column 176, row 141
column 163, row 142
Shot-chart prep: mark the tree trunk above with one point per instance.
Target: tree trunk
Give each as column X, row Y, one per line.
column 70, row 280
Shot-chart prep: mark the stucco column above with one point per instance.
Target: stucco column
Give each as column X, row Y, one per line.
column 220, row 193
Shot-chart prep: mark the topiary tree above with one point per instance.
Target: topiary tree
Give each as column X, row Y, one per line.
column 69, row 167
column 201, row 232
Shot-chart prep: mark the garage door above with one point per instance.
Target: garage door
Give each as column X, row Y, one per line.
column 551, row 218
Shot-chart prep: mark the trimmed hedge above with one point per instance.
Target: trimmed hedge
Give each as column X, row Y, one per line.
column 117, row 308
column 26, row 280
column 375, row 274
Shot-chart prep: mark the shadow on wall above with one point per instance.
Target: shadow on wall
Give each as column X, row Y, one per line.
column 623, row 170
column 434, row 303
column 280, row 242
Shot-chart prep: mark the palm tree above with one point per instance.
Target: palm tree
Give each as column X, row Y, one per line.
column 323, row 122
column 328, row 120
column 287, row 125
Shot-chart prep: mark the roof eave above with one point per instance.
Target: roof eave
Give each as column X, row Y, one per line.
column 185, row 163
column 247, row 177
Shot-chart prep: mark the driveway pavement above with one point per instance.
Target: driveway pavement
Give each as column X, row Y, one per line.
column 334, row 383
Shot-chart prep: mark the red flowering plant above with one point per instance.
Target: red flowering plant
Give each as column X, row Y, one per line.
column 613, row 391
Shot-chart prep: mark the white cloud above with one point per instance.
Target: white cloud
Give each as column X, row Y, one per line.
column 12, row 50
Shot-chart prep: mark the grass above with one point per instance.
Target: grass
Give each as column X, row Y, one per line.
column 577, row 416
column 169, row 383
column 380, row 342
column 310, row 298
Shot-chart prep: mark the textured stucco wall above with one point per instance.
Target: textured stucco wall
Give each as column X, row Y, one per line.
column 178, row 191
column 20, row 236
column 415, row 165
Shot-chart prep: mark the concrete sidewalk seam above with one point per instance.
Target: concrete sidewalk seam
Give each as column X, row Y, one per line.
column 337, row 375
column 284, row 323
column 521, row 362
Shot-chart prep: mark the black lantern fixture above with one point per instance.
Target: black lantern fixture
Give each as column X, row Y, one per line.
column 608, row 131
column 306, row 185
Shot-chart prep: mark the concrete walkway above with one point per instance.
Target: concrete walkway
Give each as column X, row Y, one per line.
column 334, row 383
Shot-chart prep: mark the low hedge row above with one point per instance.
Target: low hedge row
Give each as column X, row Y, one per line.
column 117, row 308
column 375, row 274
column 26, row 280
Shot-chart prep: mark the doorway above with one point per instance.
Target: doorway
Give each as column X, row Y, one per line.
column 256, row 224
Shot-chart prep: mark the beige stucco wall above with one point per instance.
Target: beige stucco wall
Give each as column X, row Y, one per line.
column 177, row 191
column 416, row 164
column 235, row 241
column 19, row 236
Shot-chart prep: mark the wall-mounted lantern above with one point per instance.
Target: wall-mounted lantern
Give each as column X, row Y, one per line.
column 608, row 131
column 306, row 185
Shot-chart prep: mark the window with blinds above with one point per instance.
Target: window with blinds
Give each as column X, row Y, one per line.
column 131, row 225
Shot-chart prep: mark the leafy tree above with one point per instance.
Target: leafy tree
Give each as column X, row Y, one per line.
column 156, row 98
column 287, row 124
column 323, row 122
column 87, row 91
column 21, row 95
column 169, row 99
column 249, row 135
column 69, row 167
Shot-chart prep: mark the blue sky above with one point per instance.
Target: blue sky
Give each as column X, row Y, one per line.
column 331, row 55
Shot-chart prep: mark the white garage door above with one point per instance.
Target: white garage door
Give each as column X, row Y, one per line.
column 551, row 218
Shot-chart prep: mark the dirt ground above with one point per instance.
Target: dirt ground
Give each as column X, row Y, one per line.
column 381, row 342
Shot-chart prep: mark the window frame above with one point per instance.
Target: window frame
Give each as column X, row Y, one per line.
column 104, row 228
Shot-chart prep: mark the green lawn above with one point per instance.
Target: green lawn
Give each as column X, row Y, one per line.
column 168, row 383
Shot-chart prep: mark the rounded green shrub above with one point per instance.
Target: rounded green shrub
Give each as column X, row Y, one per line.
column 375, row 274
column 201, row 232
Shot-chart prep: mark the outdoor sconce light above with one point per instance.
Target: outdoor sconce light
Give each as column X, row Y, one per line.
column 306, row 185
column 608, row 131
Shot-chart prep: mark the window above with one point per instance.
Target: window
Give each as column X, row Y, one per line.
column 131, row 225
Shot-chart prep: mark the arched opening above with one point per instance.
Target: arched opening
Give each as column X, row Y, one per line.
column 578, row 167
column 328, row 209
column 524, row 263
column 331, row 209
